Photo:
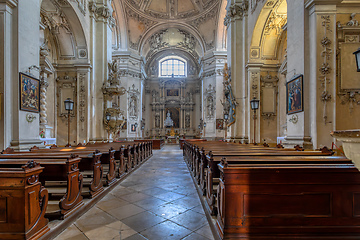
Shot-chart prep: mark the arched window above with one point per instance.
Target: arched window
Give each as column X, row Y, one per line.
column 172, row 67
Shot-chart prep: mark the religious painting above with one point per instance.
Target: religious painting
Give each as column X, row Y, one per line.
column 29, row 93
column 174, row 113
column 219, row 123
column 172, row 92
column 133, row 128
column 294, row 95
column 124, row 126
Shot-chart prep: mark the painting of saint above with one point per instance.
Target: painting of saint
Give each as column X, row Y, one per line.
column 172, row 92
column 294, row 95
column 219, row 123
column 29, row 93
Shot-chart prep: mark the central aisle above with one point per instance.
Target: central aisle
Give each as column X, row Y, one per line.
column 157, row 201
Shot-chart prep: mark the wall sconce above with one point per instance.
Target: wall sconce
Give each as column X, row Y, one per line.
column 226, row 118
column 69, row 106
column 254, row 103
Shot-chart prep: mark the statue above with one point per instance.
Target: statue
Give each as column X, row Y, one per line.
column 168, row 121
column 210, row 107
column 353, row 21
column 132, row 107
column 157, row 121
column 187, row 121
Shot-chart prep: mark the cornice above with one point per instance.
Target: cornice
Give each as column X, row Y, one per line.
column 311, row 3
column 10, row 3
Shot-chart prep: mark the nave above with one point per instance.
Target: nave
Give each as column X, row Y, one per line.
column 157, row 201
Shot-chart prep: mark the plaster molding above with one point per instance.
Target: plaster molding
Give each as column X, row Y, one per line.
column 325, row 68
column 10, row 3
column 82, row 96
column 209, row 102
column 236, row 11
column 351, row 98
column 133, row 102
column 311, row 3
column 99, row 11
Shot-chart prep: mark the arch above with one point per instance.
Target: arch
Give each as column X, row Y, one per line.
column 221, row 34
column 66, row 29
column 193, row 65
column 121, row 22
column 272, row 21
column 163, row 27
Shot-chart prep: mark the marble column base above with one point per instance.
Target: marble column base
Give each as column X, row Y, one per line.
column 95, row 140
column 25, row 144
column 241, row 139
column 290, row 142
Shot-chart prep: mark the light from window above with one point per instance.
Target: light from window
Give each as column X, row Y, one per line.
column 172, row 68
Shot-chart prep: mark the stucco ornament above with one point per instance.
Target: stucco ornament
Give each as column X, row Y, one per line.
column 229, row 103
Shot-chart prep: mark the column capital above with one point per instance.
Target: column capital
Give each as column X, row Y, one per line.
column 236, row 11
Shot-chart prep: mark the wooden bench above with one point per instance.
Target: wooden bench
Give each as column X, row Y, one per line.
column 156, row 143
column 23, row 202
column 90, row 166
column 107, row 158
column 288, row 201
column 62, row 202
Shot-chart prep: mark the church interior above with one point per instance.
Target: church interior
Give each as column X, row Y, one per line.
column 232, row 98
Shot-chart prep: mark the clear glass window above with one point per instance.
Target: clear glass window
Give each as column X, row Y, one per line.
column 172, row 67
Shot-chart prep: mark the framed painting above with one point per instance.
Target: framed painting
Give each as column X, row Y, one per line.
column 294, row 95
column 133, row 128
column 124, row 126
column 29, row 93
column 219, row 123
column 172, row 92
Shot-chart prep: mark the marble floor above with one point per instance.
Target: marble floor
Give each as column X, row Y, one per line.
column 157, row 201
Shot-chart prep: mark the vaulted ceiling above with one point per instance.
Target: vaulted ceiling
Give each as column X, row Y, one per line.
column 190, row 25
column 172, row 9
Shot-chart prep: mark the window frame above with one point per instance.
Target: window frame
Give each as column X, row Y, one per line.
column 173, row 66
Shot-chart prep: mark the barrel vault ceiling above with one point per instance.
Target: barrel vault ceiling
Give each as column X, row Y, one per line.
column 189, row 25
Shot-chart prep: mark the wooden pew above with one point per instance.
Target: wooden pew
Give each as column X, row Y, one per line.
column 212, row 174
column 205, row 170
column 107, row 158
column 156, row 143
column 130, row 154
column 288, row 201
column 90, row 165
column 56, row 169
column 23, row 202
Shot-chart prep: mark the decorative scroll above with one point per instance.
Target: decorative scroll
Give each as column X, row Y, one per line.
column 236, row 11
column 229, row 103
column 325, row 68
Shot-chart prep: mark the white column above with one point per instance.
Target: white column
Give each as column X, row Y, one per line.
column 236, row 21
column 19, row 35
column 322, row 91
column 100, row 55
column 7, row 9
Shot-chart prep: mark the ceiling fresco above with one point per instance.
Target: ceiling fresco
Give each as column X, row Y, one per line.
column 187, row 24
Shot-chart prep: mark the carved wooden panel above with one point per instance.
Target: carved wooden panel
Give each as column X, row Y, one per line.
column 356, row 204
column 34, row 207
column 276, row 205
column 3, row 212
